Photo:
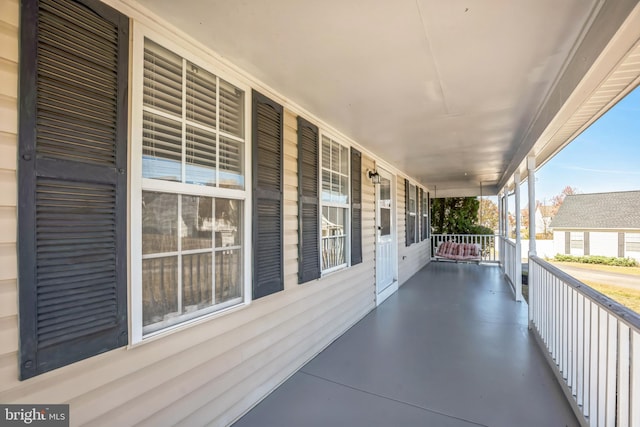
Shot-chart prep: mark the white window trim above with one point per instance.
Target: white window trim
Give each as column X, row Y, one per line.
column 137, row 183
column 346, row 206
column 414, row 214
column 425, row 214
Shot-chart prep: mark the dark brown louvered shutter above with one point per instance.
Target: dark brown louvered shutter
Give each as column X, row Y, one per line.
column 586, row 244
column 621, row 251
column 308, row 202
column 72, row 182
column 408, row 230
column 419, row 219
column 427, row 220
column 267, row 196
column 356, row 206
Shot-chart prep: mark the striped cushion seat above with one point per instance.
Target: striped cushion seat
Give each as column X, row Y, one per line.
column 458, row 251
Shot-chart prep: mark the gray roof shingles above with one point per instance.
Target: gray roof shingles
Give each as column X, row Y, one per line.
column 619, row 210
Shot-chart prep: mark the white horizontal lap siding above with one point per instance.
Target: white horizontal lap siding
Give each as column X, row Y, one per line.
column 603, row 243
column 9, row 17
column 290, row 200
column 558, row 242
column 410, row 258
column 203, row 374
column 368, row 217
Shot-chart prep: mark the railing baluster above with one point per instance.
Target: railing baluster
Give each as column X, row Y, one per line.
column 602, row 367
column 634, row 401
column 595, row 372
column 558, row 321
column 574, row 340
column 623, row 375
column 612, row 362
column 565, row 331
column 579, row 348
column 586, row 385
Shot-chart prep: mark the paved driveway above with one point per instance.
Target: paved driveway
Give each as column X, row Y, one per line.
column 604, row 277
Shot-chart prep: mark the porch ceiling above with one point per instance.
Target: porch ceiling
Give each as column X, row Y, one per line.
column 445, row 91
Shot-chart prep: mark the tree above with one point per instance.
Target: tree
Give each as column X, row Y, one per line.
column 488, row 214
column 456, row 215
column 524, row 218
column 557, row 201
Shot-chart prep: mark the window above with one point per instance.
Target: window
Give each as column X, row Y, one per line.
column 412, row 227
column 577, row 240
column 413, row 206
column 632, row 242
column 425, row 215
column 335, row 203
column 192, row 194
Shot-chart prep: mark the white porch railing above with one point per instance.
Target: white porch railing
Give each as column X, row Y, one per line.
column 509, row 260
column 591, row 342
column 487, row 243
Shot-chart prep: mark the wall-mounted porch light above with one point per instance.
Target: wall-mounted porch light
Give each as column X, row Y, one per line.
column 374, row 176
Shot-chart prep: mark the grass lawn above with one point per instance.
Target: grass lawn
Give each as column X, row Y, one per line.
column 625, row 296
column 628, row 297
column 633, row 271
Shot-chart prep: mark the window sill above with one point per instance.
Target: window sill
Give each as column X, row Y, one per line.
column 180, row 327
column 330, row 271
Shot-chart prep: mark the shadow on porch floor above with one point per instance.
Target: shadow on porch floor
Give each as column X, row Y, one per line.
column 451, row 348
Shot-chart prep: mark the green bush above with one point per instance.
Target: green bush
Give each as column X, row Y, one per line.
column 480, row 229
column 597, row 259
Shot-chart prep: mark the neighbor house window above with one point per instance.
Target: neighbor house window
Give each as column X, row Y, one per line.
column 192, row 192
column 632, row 242
column 335, row 203
column 577, row 240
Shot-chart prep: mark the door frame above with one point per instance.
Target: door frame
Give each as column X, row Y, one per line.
column 393, row 287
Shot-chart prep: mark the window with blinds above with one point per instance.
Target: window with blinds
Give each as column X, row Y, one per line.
column 192, row 191
column 412, row 228
column 193, row 123
column 335, row 166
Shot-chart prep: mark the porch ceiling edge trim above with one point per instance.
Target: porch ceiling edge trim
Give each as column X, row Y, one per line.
column 148, row 18
column 618, row 84
column 614, row 32
column 469, row 191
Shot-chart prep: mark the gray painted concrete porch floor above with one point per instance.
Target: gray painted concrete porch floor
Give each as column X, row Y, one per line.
column 451, row 348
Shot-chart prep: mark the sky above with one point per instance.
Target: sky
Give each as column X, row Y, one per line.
column 604, row 158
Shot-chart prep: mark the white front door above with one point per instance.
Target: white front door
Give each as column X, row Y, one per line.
column 386, row 283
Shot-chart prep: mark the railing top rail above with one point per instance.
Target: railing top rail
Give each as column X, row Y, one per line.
column 457, row 235
column 509, row 242
column 624, row 314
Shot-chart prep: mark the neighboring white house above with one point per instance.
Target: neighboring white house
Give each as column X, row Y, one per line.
column 605, row 224
column 544, row 215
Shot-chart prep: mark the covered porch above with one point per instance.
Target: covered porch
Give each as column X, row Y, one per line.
column 450, row 348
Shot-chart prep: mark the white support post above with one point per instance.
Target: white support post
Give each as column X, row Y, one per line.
column 531, row 169
column 503, row 230
column 499, row 242
column 518, row 257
